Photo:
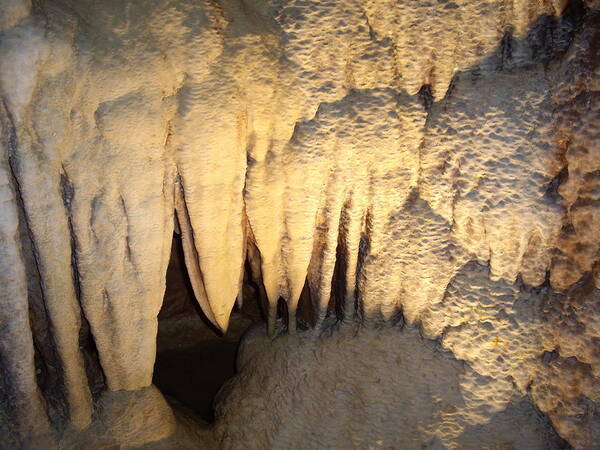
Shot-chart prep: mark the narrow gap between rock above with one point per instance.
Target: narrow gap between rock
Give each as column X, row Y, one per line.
column 192, row 359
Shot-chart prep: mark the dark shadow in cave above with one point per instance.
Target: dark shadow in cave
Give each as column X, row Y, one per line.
column 193, row 359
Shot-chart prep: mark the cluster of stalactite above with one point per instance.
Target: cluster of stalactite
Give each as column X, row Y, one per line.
column 380, row 159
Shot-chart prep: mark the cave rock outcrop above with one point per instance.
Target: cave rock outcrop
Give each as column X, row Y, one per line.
column 432, row 166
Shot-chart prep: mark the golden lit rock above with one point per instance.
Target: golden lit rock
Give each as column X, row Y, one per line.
column 407, row 193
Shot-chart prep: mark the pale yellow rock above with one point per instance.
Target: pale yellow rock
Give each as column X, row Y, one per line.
column 433, row 162
column 36, row 163
column 27, row 409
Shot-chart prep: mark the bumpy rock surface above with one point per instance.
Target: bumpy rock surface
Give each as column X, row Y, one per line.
column 435, row 162
column 367, row 388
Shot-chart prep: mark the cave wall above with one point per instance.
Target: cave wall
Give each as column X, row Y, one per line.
column 434, row 161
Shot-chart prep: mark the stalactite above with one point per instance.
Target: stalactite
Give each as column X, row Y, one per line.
column 385, row 161
column 191, row 255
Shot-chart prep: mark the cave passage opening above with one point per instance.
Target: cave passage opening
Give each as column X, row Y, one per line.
column 193, row 360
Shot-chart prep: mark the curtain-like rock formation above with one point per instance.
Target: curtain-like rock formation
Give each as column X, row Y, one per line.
column 430, row 162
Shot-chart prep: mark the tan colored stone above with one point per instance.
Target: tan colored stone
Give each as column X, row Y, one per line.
column 137, row 417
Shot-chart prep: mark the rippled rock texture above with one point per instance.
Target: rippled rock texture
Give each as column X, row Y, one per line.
column 381, row 163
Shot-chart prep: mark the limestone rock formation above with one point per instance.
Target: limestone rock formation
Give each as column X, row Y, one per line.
column 433, row 163
column 402, row 392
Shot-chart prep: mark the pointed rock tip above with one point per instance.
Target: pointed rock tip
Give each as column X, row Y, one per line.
column 222, row 322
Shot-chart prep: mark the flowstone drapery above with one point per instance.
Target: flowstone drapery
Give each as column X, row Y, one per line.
column 433, row 165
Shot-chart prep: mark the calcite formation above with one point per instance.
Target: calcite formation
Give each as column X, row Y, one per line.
column 402, row 392
column 433, row 165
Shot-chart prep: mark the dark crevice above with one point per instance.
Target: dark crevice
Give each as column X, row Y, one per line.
column 340, row 270
column 47, row 365
column 505, row 51
column 397, row 319
column 364, row 247
column 91, row 359
column 550, row 37
column 253, row 287
column 128, row 250
column 282, row 312
column 426, row 97
column 47, row 361
column 193, row 360
column 306, row 314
